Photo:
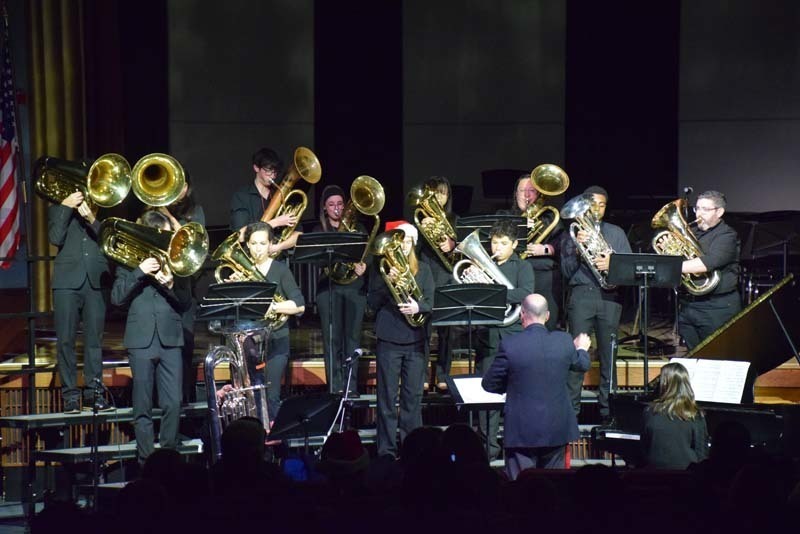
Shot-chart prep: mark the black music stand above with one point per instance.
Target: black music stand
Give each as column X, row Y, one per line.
column 468, row 305
column 304, row 416
column 483, row 223
column 327, row 248
column 644, row 271
column 236, row 301
column 466, row 394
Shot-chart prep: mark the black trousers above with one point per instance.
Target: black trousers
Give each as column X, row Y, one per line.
column 345, row 322
column 548, row 284
column 699, row 317
column 163, row 367
column 71, row 307
column 401, row 368
column 588, row 313
column 277, row 358
column 519, row 459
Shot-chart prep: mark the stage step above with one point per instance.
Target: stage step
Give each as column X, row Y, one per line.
column 119, row 415
column 124, row 451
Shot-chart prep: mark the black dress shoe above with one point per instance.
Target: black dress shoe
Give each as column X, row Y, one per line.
column 102, row 406
column 72, row 407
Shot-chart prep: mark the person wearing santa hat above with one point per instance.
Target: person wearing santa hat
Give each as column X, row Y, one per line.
column 401, row 349
column 341, row 310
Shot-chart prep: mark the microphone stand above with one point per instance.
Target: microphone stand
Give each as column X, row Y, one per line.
column 95, row 453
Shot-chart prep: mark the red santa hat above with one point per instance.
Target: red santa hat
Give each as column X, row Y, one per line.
column 406, row 227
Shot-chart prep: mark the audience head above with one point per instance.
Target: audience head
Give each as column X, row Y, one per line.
column 343, row 456
column 243, row 442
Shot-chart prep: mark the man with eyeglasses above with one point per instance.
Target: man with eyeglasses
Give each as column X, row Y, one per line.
column 249, row 203
column 701, row 315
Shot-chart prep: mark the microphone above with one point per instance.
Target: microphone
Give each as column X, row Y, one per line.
column 350, row 360
column 688, row 190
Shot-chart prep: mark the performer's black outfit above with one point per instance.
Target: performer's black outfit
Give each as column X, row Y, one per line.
column 349, row 304
column 700, row 316
column 520, row 274
column 532, row 369
column 441, row 277
column 153, row 337
column 673, row 443
column 80, row 274
column 401, row 357
column 247, row 206
column 591, row 308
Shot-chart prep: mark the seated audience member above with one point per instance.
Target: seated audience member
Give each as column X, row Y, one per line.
column 674, row 433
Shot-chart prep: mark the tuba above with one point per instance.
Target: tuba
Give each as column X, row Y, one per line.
column 181, row 253
column 478, row 268
column 388, row 245
column 678, row 240
column 242, row 398
column 105, row 183
column 581, row 209
column 158, row 179
column 288, row 201
column 232, row 255
column 550, row 180
column 367, row 197
column 423, row 199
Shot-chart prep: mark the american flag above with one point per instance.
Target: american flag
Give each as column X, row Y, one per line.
column 9, row 202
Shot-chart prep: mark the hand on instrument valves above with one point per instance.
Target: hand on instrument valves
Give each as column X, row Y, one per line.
column 582, row 341
column 409, row 308
column 73, row 200
column 537, row 249
column 280, row 221
column 602, row 261
column 85, row 211
column 582, row 236
column 447, row 244
column 150, row 266
column 165, row 279
column 360, row 268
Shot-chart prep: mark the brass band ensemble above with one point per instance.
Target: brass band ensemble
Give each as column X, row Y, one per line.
column 562, row 254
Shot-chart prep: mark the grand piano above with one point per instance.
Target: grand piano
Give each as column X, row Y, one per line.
column 765, row 334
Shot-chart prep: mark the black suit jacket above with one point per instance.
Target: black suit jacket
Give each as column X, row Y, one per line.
column 531, row 367
column 78, row 255
column 153, row 309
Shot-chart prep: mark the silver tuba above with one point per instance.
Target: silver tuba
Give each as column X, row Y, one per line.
column 581, row 210
column 242, row 398
column 478, row 268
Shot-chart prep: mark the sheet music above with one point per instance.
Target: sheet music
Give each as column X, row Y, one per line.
column 473, row 393
column 716, row 380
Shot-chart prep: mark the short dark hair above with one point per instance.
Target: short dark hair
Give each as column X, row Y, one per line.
column 504, row 228
column 154, row 219
column 266, row 158
column 596, row 190
column 714, row 196
column 257, row 227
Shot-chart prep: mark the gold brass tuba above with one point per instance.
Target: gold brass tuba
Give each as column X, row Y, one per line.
column 105, row 183
column 232, row 255
column 550, row 180
column 478, row 268
column 423, row 199
column 367, row 197
column 305, row 165
column 582, row 210
column 158, row 179
column 389, row 245
column 678, row 240
column 181, row 253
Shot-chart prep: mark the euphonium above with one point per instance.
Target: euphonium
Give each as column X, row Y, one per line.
column 389, row 245
column 232, row 255
column 158, row 179
column 478, row 268
column 423, row 199
column 581, row 209
column 181, row 252
column 105, row 183
column 678, row 240
column 550, row 180
column 242, row 398
column 305, row 165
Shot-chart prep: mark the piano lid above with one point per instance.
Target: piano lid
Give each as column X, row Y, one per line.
column 765, row 333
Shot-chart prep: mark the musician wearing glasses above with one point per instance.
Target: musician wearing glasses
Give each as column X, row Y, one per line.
column 543, row 257
column 519, row 273
column 153, row 337
column 288, row 301
column 590, row 307
column 402, row 330
column 701, row 315
column 249, row 203
column 441, row 274
column 346, row 312
column 80, row 272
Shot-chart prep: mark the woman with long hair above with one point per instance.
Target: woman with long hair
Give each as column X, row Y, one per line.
column 674, row 433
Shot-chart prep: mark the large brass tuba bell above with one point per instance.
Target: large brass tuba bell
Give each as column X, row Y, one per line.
column 678, row 240
column 181, row 253
column 478, row 268
column 367, row 197
column 389, row 246
column 423, row 199
column 550, row 180
column 105, row 183
column 158, row 179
